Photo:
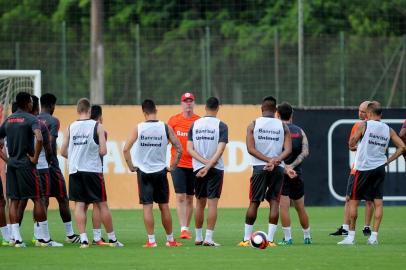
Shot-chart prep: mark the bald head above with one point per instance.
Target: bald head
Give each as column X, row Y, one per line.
column 362, row 110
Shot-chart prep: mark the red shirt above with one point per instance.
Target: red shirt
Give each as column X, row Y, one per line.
column 181, row 126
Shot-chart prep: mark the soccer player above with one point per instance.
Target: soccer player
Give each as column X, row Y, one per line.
column 57, row 186
column 83, row 145
column 207, row 139
column 373, row 138
column 269, row 143
column 293, row 188
column 151, row 139
column 183, row 177
column 43, row 172
column 96, row 113
column 24, row 142
column 369, row 206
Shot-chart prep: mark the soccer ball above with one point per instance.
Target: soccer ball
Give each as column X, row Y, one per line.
column 259, row 240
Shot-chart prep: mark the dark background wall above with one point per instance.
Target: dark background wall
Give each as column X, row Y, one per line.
column 316, row 124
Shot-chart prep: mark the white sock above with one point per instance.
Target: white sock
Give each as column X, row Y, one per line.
column 374, row 236
column 199, row 235
column 169, row 237
column 247, row 231
column 271, row 231
column 112, row 236
column 68, row 228
column 83, row 238
column 96, row 234
column 351, row 235
column 209, row 236
column 37, row 231
column 306, row 233
column 44, row 230
column 346, row 227
column 15, row 232
column 5, row 233
column 287, row 233
column 184, row 228
column 151, row 238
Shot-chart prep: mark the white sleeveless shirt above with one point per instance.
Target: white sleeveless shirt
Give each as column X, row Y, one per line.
column 269, row 136
column 206, row 135
column 149, row 153
column 371, row 151
column 83, row 152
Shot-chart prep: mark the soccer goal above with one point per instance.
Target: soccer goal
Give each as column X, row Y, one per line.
column 14, row 81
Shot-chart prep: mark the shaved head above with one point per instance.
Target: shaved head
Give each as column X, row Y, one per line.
column 362, row 110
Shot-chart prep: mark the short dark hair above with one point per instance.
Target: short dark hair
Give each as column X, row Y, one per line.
column 48, row 100
column 148, row 106
column 268, row 104
column 96, row 112
column 23, row 99
column 285, row 111
column 83, row 105
column 14, row 107
column 35, row 103
column 375, row 108
column 212, row 103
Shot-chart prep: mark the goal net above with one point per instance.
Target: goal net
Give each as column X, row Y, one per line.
column 14, row 81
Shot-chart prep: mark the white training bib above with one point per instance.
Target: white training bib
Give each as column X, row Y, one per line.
column 371, row 151
column 83, row 152
column 150, row 147
column 269, row 137
column 206, row 134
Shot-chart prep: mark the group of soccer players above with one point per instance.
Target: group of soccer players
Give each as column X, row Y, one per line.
column 277, row 146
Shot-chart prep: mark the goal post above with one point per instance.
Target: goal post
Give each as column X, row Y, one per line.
column 14, row 81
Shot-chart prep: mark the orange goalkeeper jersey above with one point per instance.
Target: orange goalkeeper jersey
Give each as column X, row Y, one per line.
column 181, row 126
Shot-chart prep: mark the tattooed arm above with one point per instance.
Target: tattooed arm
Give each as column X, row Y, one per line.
column 303, row 154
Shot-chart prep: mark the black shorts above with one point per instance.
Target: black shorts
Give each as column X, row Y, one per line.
column 211, row 185
column 293, row 187
column 368, row 185
column 350, row 183
column 153, row 187
column 57, row 183
column 183, row 180
column 44, row 182
column 265, row 184
column 23, row 183
column 87, row 187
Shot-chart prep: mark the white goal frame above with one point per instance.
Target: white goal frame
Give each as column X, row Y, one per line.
column 25, row 73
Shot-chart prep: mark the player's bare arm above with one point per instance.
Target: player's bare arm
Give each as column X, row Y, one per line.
column 38, row 146
column 175, row 142
column 65, row 145
column 303, row 154
column 402, row 134
column 192, row 152
column 400, row 146
column 3, row 154
column 127, row 148
column 213, row 161
column 357, row 136
column 250, row 142
column 102, row 140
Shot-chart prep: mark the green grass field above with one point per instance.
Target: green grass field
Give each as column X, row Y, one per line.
column 322, row 254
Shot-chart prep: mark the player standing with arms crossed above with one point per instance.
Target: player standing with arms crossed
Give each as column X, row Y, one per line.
column 151, row 139
column 369, row 205
column 207, row 140
column 183, row 177
column 370, row 161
